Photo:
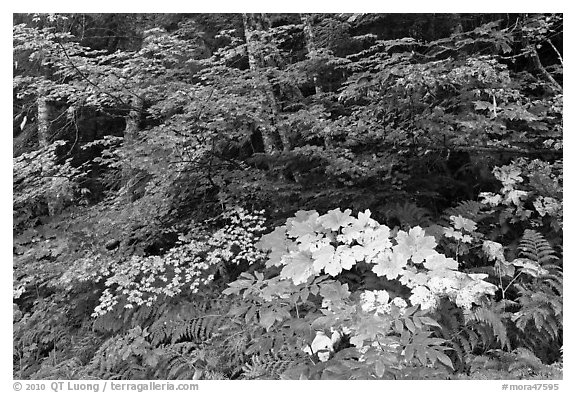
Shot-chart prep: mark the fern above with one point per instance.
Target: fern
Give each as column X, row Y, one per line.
column 492, row 318
column 121, row 357
column 86, row 346
column 521, row 363
column 121, row 319
column 536, row 248
column 471, row 210
column 538, row 318
column 67, row 369
column 268, row 366
column 540, row 300
column 197, row 330
column 542, row 309
column 407, row 215
column 479, row 329
column 178, row 362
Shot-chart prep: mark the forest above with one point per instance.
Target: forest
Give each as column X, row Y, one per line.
column 287, row 196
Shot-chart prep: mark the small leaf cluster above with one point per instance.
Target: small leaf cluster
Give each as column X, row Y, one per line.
column 190, row 266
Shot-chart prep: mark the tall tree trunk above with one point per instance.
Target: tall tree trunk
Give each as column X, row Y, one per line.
column 311, row 46
column 44, row 114
column 44, row 120
column 254, row 27
column 131, row 132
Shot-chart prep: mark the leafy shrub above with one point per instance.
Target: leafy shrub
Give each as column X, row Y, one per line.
column 374, row 321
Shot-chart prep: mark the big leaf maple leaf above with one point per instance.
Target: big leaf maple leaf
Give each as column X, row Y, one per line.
column 336, row 219
column 412, row 278
column 460, row 222
column 305, row 227
column 299, row 267
column 416, row 244
column 325, row 258
column 348, row 256
column 334, row 260
column 440, row 262
column 375, row 241
column 358, row 228
column 508, row 175
column 390, row 266
column 273, row 240
column 278, row 245
column 312, row 242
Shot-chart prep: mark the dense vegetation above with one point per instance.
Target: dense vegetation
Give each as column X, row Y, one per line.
column 296, row 196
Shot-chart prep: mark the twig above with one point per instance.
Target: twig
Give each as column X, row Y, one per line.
column 555, row 50
column 540, row 67
column 89, row 81
column 497, row 149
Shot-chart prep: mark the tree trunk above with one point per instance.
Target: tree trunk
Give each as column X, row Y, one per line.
column 44, row 135
column 254, row 27
column 311, row 46
column 131, row 133
column 44, row 113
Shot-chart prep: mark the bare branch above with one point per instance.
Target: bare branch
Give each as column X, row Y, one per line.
column 556, row 50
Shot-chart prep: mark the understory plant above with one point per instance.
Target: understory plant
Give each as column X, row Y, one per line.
column 387, row 320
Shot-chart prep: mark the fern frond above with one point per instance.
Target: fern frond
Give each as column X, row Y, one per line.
column 267, row 366
column 121, row 357
column 178, row 363
column 198, row 330
column 67, row 369
column 85, row 348
column 542, row 315
column 536, row 248
column 471, row 210
column 492, row 319
column 407, row 214
column 111, row 322
column 539, row 321
column 161, row 332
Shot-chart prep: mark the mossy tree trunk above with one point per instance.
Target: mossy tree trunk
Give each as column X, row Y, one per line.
column 255, row 27
column 311, row 46
column 131, row 133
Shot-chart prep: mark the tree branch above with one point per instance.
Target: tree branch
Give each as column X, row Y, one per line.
column 497, row 149
column 541, row 69
column 118, row 99
column 556, row 50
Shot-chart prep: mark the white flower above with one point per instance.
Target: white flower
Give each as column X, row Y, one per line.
column 375, row 301
column 399, row 302
column 442, row 285
column 465, row 298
